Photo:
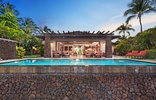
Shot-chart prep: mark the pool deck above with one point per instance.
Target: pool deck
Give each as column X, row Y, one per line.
column 81, row 57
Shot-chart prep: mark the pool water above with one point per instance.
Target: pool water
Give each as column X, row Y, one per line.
column 85, row 62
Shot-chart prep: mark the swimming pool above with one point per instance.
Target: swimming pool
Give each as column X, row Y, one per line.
column 78, row 62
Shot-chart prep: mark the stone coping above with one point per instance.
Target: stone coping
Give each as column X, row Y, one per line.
column 7, row 40
column 10, row 60
column 79, row 74
column 78, row 69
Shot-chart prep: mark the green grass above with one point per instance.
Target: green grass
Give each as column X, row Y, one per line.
column 32, row 56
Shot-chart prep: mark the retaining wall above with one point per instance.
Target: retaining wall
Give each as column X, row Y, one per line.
column 77, row 86
column 7, row 49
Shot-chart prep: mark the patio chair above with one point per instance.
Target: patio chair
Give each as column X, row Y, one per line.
column 98, row 54
column 74, row 53
column 66, row 53
column 89, row 53
column 56, row 54
column 141, row 54
column 132, row 54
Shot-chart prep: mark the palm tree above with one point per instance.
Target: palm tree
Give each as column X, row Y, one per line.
column 153, row 2
column 9, row 27
column 137, row 8
column 1, row 6
column 125, row 28
column 9, row 22
column 46, row 29
column 6, row 7
column 28, row 25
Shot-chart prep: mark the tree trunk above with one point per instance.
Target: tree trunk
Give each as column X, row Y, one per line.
column 140, row 24
column 31, row 51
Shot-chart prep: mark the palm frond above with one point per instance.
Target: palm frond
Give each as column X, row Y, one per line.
column 125, row 28
column 132, row 29
column 129, row 11
column 128, row 33
column 130, row 17
column 150, row 10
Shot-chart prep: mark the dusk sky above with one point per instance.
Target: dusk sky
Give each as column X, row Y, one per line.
column 80, row 15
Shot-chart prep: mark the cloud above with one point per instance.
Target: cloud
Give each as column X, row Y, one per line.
column 146, row 19
column 111, row 24
column 117, row 20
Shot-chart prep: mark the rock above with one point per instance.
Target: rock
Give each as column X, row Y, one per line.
column 66, row 98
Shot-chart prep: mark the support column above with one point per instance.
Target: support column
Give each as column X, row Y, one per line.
column 108, row 49
column 47, row 48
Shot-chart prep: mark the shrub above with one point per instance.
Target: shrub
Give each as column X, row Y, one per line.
column 151, row 54
column 41, row 50
column 142, row 41
column 123, row 46
column 20, row 52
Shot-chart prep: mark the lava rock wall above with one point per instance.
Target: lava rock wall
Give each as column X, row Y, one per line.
column 7, row 49
column 78, row 87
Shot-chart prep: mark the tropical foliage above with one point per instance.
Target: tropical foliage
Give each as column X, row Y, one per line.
column 6, row 7
column 125, row 28
column 29, row 42
column 20, row 52
column 142, row 41
column 151, row 54
column 137, row 8
column 126, row 45
column 46, row 29
column 27, row 25
column 19, row 29
column 9, row 22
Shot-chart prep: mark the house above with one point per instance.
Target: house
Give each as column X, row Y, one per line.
column 78, row 40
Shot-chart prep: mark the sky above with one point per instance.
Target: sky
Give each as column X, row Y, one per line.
column 80, row 15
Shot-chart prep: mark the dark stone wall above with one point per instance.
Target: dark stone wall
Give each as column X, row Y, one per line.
column 47, row 49
column 7, row 49
column 78, row 87
column 108, row 51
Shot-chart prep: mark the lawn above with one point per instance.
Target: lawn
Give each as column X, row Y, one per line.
column 32, row 56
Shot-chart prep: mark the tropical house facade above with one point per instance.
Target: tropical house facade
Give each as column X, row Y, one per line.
column 79, row 42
